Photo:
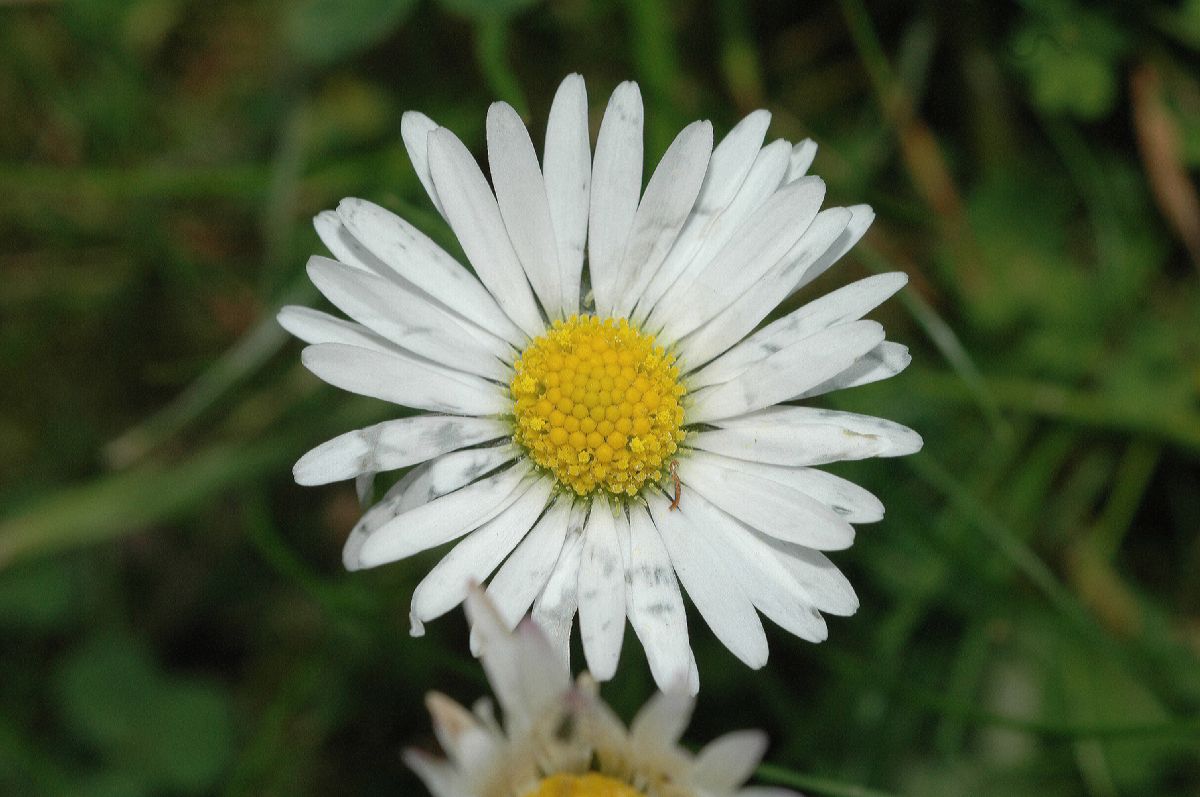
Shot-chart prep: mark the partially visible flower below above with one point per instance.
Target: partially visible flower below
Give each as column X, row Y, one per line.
column 559, row 739
column 606, row 418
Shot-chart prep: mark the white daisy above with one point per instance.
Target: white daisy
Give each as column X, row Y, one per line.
column 589, row 434
column 559, row 739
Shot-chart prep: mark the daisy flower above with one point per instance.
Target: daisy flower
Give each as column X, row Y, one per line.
column 559, row 739
column 602, row 417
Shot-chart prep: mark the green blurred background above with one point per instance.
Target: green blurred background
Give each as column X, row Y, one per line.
column 174, row 618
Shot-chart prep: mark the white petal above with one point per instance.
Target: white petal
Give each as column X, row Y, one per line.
column 521, row 195
column 616, row 186
column 554, row 609
column 845, row 498
column 669, row 198
column 465, row 739
column 404, row 380
column 801, row 159
column 601, row 592
column 735, row 321
column 769, row 506
column 891, row 439
column 861, row 217
column 345, row 248
column 824, row 585
column 411, row 254
column 567, row 163
column 415, row 128
column 654, row 602
column 766, row 582
column 475, row 218
column 525, row 674
column 439, row 776
column 444, row 519
column 421, row 485
column 313, row 326
column 659, row 724
column 525, row 573
column 757, row 245
column 728, row 761
column 406, row 317
column 766, row 791
column 705, row 576
column 788, row 373
column 393, row 444
column 882, row 362
column 727, row 169
column 474, row 559
column 846, row 304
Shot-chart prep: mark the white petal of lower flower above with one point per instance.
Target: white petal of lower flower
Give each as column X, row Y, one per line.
column 567, row 166
column 706, row 577
column 728, row 761
column 475, row 218
column 616, row 187
column 417, row 259
column 521, row 195
column 601, row 593
column 403, row 380
column 669, row 198
column 415, row 128
column 788, row 372
column 882, row 362
column 442, row 779
column 767, row 505
column 554, row 610
column 479, row 553
column 392, row 445
column 654, row 602
column 444, row 519
column 660, row 724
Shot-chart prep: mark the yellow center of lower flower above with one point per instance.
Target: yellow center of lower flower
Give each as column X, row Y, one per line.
column 589, row 785
column 597, row 403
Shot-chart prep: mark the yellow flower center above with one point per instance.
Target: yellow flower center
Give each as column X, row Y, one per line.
column 589, row 785
column 597, row 403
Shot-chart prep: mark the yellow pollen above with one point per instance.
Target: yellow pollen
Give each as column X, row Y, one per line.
column 597, row 403
column 589, row 785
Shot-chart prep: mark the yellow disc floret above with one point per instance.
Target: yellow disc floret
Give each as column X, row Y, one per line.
column 597, row 403
column 589, row 785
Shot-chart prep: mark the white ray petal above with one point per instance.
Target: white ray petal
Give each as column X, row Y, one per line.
column 474, row 559
column 404, row 380
column 415, row 128
column 616, row 187
column 567, row 165
column 654, row 602
column 313, row 326
column 521, row 196
column 893, row 439
column 601, row 593
column 731, row 162
column 407, row 318
column 413, row 256
column 843, row 305
column 803, row 153
column 882, row 362
column 393, row 444
column 554, row 609
column 474, row 216
column 788, row 372
column 826, row 587
column 733, row 323
column 345, row 248
column 444, row 519
column 421, row 485
column 706, row 578
column 660, row 723
column 466, row 741
column 759, row 243
column 861, row 217
column 769, row 506
column 728, row 761
column 440, row 777
column 669, row 198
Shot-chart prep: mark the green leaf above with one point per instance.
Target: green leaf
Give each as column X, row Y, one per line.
column 325, row 31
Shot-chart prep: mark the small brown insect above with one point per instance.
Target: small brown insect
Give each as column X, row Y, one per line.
column 678, row 486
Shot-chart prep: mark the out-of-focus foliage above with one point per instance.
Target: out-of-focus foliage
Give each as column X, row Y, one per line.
column 173, row 614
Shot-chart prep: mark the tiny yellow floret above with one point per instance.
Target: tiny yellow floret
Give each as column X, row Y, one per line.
column 587, row 785
column 598, row 404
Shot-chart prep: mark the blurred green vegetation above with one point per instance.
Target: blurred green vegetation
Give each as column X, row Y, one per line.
column 173, row 614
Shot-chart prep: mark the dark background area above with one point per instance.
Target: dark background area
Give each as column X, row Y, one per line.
column 174, row 618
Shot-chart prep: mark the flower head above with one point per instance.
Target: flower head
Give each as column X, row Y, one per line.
column 603, row 413
column 558, row 739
